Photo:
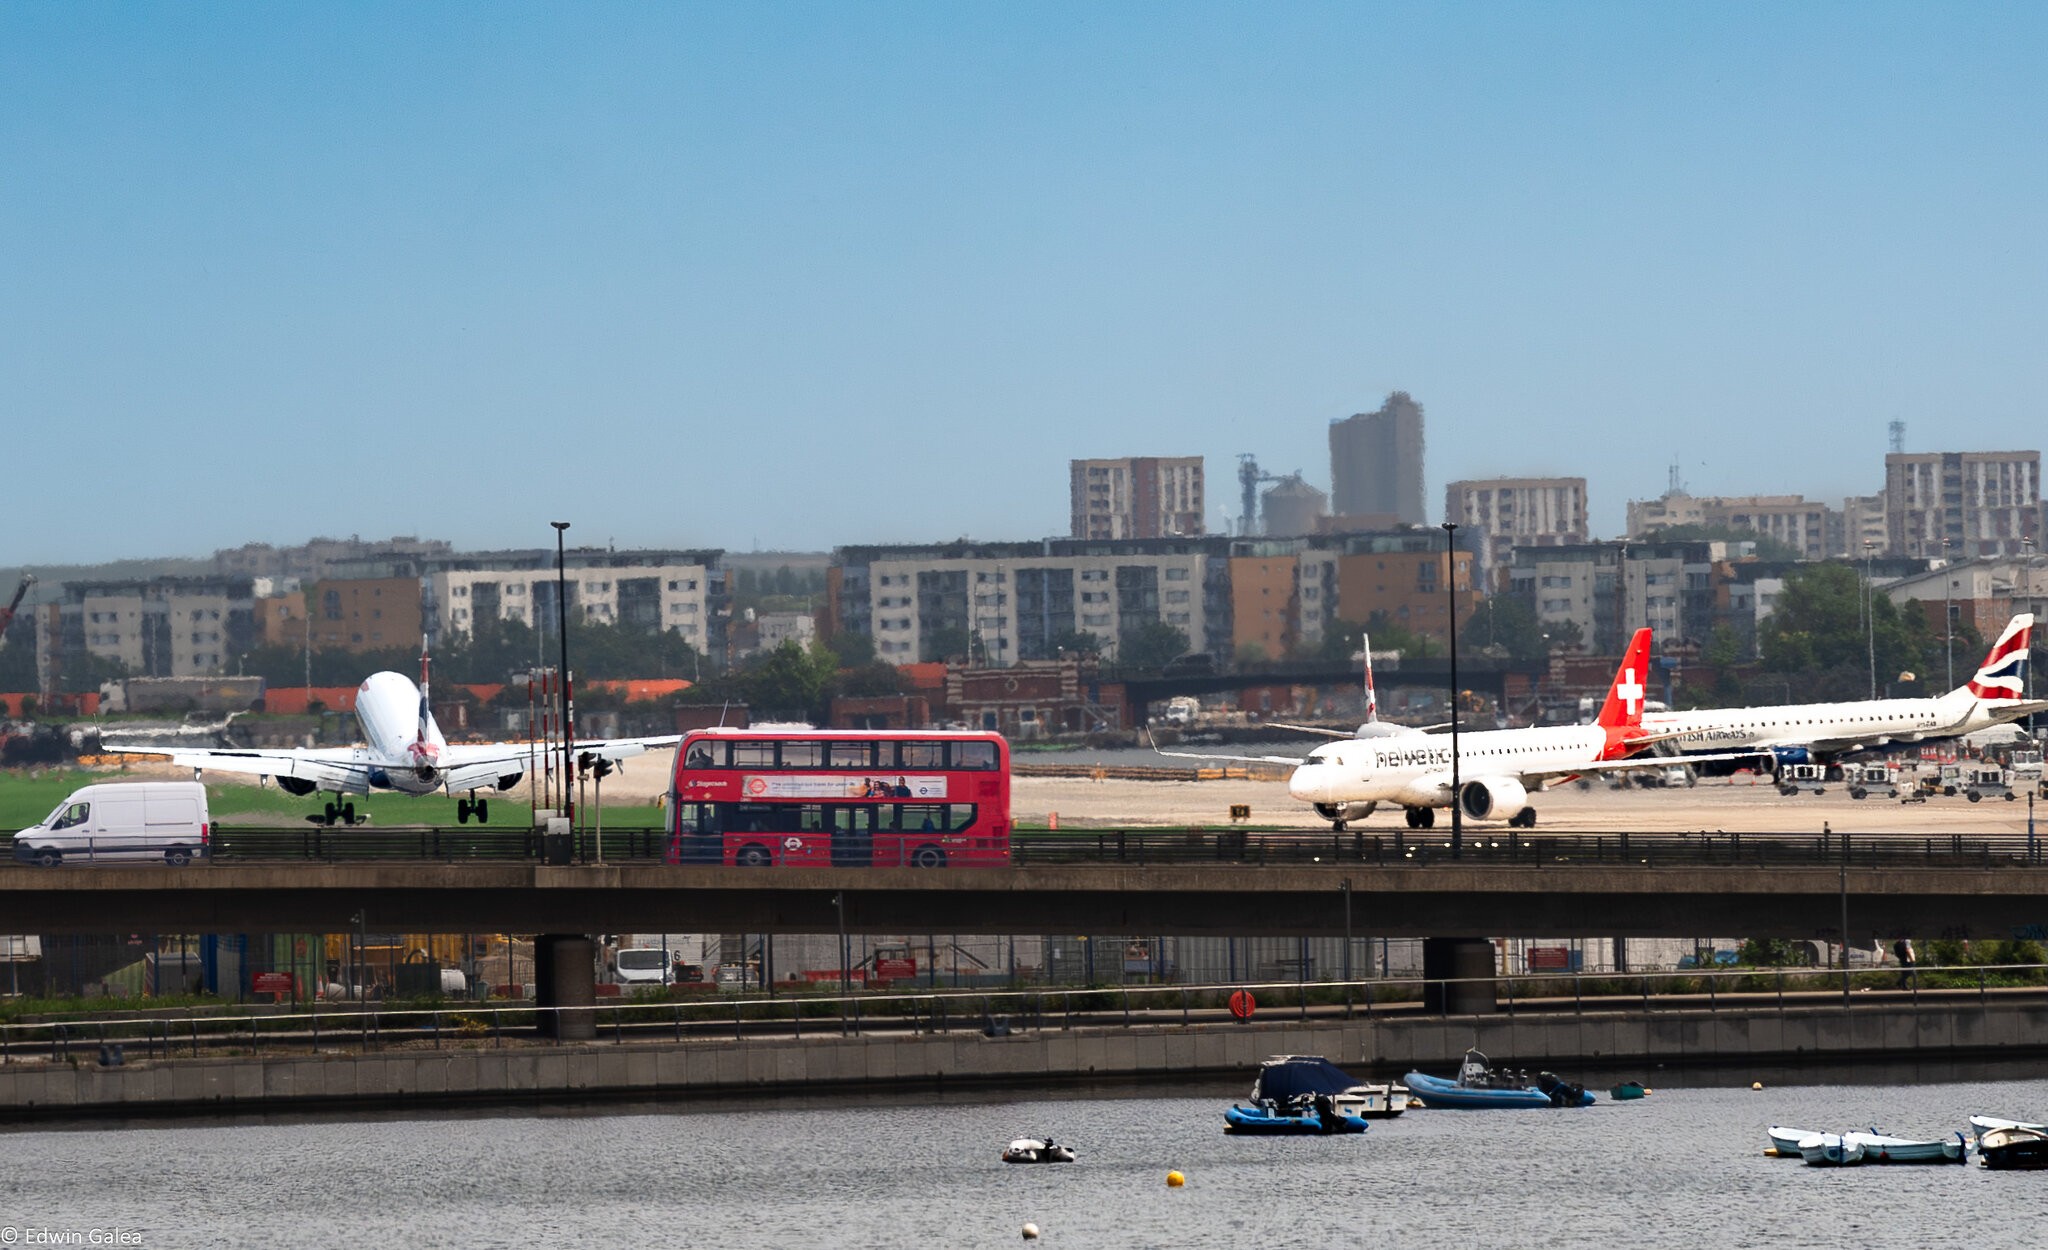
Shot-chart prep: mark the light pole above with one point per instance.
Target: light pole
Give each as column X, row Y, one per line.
column 1948, row 618
column 568, row 701
column 1451, row 593
column 1870, row 617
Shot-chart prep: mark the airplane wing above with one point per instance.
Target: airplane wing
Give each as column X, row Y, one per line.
column 487, row 763
column 343, row 770
column 1638, row 761
column 1290, row 760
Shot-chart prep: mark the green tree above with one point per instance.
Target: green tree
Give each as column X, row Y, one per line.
column 853, row 650
column 790, row 682
column 1150, row 646
column 1077, row 642
column 1819, row 634
column 1506, row 625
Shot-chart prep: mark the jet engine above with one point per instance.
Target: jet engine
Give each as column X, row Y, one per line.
column 1337, row 812
column 1493, row 798
column 426, row 773
column 296, row 785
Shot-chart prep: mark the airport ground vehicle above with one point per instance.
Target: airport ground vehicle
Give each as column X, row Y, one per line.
column 122, row 821
column 841, row 799
column 1873, row 780
column 1981, row 783
column 1793, row 778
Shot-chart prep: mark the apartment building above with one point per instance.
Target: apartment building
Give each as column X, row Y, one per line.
column 1376, row 462
column 1962, row 503
column 158, row 627
column 1136, row 497
column 1511, row 512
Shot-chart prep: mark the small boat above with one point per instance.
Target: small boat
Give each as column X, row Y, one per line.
column 1309, row 1094
column 2013, row 1149
column 1884, row 1148
column 1318, row 1117
column 1479, row 1087
column 1627, row 1091
column 1785, row 1141
column 1982, row 1124
column 1836, row 1150
column 1037, row 1150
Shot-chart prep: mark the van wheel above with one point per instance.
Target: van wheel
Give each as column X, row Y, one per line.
column 178, row 857
column 928, row 857
column 752, row 856
column 1976, row 797
column 49, row 858
column 1858, row 792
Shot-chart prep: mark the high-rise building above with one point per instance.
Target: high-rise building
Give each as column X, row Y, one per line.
column 1136, row 497
column 1808, row 527
column 1376, row 462
column 1962, row 503
column 1512, row 512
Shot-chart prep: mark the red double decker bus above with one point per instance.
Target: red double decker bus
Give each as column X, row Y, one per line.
column 841, row 798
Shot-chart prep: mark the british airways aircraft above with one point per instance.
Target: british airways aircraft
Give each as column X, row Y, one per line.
column 1498, row 769
column 403, row 750
column 1795, row 732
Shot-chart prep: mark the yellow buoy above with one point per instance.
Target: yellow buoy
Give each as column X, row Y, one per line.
column 1756, row 1084
column 1031, row 1232
column 1175, row 1180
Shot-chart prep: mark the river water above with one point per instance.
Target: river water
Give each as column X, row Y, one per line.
column 1683, row 1167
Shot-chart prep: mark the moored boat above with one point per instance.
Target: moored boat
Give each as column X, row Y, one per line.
column 1885, row 1148
column 1627, row 1091
column 1479, row 1087
column 1830, row 1150
column 1785, row 1141
column 2013, row 1149
column 1309, row 1094
column 1037, row 1150
column 1982, row 1124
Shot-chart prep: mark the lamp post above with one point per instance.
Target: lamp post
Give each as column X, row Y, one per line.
column 1451, row 592
column 568, row 701
column 1870, row 617
column 1948, row 618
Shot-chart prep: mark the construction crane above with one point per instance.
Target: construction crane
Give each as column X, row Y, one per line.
column 7, row 616
column 1250, row 478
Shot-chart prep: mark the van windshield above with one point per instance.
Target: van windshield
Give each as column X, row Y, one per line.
column 67, row 815
column 642, row 960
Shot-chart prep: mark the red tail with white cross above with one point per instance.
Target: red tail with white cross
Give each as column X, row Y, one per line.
column 1624, row 706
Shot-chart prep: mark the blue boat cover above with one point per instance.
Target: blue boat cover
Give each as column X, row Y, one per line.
column 1301, row 1075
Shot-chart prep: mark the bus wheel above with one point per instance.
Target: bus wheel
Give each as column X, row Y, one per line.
column 928, row 857
column 752, row 856
column 177, row 857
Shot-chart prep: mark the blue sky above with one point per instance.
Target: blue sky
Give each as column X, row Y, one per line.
column 798, row 275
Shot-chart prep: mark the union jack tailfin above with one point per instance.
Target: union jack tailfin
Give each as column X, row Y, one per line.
column 2002, row 678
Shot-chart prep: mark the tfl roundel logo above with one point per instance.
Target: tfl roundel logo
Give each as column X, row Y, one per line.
column 757, row 785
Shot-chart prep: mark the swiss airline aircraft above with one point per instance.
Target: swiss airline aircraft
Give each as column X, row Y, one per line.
column 1995, row 696
column 403, row 750
column 1497, row 768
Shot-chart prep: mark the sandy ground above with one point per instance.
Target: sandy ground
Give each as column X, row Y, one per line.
column 1714, row 805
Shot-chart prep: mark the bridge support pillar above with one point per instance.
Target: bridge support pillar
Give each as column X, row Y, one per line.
column 565, row 975
column 1459, row 976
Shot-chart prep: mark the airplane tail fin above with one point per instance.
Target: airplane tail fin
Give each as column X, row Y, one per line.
column 1372, row 698
column 2002, row 676
column 426, row 707
column 1624, row 705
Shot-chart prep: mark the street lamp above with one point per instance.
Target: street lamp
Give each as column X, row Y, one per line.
column 1948, row 618
column 568, row 702
column 1451, row 593
column 1870, row 616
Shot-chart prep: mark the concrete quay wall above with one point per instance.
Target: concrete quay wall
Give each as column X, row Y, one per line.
column 39, row 1090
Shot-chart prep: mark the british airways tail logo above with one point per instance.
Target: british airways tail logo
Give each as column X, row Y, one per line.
column 2001, row 676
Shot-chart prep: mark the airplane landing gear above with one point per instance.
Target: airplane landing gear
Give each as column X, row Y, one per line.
column 1420, row 817
column 465, row 808
column 338, row 813
column 1524, row 819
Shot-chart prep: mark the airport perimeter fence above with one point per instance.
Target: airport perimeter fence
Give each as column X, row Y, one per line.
column 113, row 1040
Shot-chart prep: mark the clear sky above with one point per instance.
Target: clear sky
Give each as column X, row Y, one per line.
column 796, row 275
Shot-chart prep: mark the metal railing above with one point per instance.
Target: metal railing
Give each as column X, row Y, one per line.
column 1002, row 1013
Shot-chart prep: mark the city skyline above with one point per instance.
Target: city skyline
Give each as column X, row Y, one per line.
column 787, row 280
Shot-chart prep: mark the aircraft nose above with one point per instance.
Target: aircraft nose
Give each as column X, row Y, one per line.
column 1309, row 783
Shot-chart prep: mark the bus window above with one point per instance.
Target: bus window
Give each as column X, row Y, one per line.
column 922, row 816
column 921, row 754
column 959, row 816
column 753, row 754
column 699, row 755
column 803, row 754
column 811, row 818
column 976, row 755
column 851, row 754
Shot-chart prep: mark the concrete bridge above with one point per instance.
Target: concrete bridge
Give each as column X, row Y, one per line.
column 1445, row 899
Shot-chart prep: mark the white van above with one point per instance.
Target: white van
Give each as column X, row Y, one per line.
column 120, row 822
column 641, row 965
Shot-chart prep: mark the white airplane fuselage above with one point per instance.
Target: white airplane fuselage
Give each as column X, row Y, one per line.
column 1829, row 726
column 1414, row 770
column 401, row 756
